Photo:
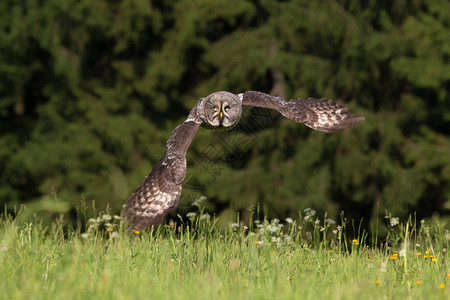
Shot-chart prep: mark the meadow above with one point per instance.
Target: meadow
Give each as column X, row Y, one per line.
column 311, row 258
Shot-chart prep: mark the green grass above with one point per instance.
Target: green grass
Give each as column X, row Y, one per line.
column 304, row 260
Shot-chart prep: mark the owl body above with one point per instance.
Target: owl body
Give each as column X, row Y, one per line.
column 160, row 191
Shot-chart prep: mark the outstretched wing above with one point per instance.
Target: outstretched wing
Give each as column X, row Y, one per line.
column 160, row 191
column 319, row 114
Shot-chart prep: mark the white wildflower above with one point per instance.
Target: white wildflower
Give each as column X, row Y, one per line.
column 197, row 202
column 394, row 221
column 330, row 221
column 273, row 229
column 402, row 252
column 205, row 216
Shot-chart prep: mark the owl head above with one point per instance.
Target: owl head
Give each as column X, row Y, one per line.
column 222, row 109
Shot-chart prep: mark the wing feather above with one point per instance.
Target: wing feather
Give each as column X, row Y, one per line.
column 319, row 114
column 160, row 191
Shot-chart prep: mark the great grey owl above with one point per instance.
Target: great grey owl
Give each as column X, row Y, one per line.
column 160, row 191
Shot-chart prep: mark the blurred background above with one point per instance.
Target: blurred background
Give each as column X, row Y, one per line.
column 90, row 91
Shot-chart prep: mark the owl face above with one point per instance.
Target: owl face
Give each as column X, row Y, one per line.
column 222, row 109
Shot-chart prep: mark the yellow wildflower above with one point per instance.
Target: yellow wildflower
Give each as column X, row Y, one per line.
column 442, row 286
column 393, row 257
column 110, row 229
column 434, row 259
column 425, row 256
column 137, row 232
column 355, row 242
column 377, row 282
column 426, row 252
column 331, row 251
column 417, row 282
column 418, row 254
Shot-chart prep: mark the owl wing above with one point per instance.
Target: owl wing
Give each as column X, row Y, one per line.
column 160, row 191
column 319, row 114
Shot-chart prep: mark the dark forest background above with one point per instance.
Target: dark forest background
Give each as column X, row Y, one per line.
column 91, row 90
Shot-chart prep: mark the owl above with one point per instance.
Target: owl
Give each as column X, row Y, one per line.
column 159, row 193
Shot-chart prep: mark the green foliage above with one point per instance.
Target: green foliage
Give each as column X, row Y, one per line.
column 199, row 261
column 90, row 92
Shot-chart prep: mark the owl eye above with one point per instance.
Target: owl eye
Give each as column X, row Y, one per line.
column 216, row 108
column 227, row 108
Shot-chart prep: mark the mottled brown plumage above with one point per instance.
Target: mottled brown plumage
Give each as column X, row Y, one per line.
column 160, row 191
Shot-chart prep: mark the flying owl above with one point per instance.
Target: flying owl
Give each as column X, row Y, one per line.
column 159, row 193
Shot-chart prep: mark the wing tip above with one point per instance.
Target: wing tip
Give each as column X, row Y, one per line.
column 349, row 121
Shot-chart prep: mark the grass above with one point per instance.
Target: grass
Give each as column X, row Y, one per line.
column 269, row 260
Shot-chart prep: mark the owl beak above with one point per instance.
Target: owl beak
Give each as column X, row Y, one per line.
column 221, row 115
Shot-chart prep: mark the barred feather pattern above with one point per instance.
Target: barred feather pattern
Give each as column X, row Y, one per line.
column 319, row 114
column 159, row 193
column 157, row 196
